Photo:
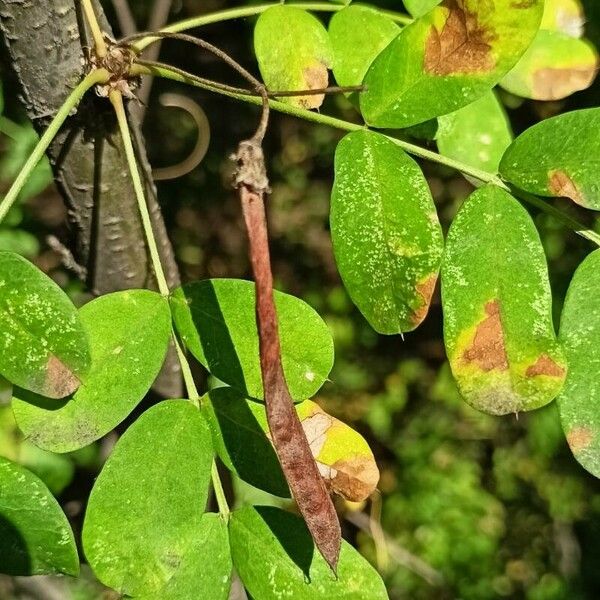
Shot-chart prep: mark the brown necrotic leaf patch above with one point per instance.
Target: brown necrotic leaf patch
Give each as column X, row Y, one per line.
column 463, row 45
column 316, row 77
column 560, row 184
column 579, row 438
column 544, row 365
column 60, row 380
column 488, row 350
column 424, row 290
column 556, row 84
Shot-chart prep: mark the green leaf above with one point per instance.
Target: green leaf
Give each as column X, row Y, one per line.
column 293, row 52
column 579, row 401
column 558, row 157
column 143, row 533
column 129, row 333
column 35, row 536
column 417, row 8
column 44, row 347
column 294, row 569
column 358, row 34
column 217, row 323
column 498, row 307
column 386, row 235
column 555, row 66
column 20, row 242
column 239, row 429
column 447, row 59
column 477, row 134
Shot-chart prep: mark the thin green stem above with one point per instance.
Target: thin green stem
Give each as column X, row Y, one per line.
column 90, row 15
column 249, row 11
column 117, row 101
column 219, row 492
column 93, row 78
column 484, row 176
column 188, row 378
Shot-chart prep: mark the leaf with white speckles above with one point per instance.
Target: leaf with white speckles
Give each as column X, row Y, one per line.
column 446, row 59
column 558, row 157
column 294, row 569
column 497, row 306
column 293, row 52
column 144, row 532
column 129, row 333
column 43, row 345
column 386, row 235
column 216, row 321
column 35, row 536
column 477, row 134
column 579, row 402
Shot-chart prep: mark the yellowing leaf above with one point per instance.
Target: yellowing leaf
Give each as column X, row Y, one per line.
column 343, row 456
column 293, row 52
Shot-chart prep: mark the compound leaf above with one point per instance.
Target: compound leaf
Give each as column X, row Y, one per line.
column 217, row 323
column 129, row 333
column 35, row 536
column 447, row 59
column 386, row 235
column 558, row 157
column 43, row 347
column 294, row 569
column 144, row 532
column 579, row 402
column 498, row 307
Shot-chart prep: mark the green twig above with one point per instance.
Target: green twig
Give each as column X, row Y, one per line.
column 483, row 176
column 249, row 11
column 117, row 101
column 93, row 78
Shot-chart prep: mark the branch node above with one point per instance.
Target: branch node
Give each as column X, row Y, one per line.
column 251, row 172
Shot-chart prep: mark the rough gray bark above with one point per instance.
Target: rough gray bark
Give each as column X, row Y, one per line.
column 44, row 42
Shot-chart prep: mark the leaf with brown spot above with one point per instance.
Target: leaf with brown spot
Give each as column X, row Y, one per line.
column 544, row 365
column 558, row 157
column 462, row 46
column 447, row 59
column 555, row 66
column 487, row 350
column 293, row 52
column 579, row 402
column 387, row 239
column 43, row 346
column 129, row 334
column 343, row 456
column 497, row 307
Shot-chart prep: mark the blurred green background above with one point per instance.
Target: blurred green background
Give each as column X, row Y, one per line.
column 470, row 506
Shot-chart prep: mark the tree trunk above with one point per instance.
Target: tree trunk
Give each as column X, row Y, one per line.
column 44, row 41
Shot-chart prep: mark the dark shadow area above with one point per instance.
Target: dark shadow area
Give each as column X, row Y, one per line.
column 14, row 554
column 213, row 333
column 292, row 534
column 247, row 445
column 49, row 404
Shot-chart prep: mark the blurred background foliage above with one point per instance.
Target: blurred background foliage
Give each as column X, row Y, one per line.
column 470, row 506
